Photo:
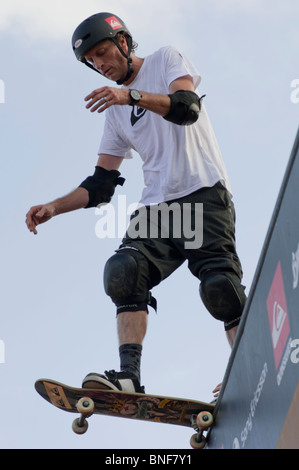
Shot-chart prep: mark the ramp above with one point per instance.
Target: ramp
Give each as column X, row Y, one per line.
column 258, row 407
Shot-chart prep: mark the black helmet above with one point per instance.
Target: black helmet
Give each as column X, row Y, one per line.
column 97, row 28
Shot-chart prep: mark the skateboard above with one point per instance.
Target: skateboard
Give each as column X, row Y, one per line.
column 182, row 412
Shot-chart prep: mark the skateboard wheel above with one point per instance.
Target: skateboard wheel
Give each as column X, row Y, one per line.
column 204, row 420
column 197, row 442
column 79, row 428
column 85, row 406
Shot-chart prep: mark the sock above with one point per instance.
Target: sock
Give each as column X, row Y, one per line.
column 130, row 359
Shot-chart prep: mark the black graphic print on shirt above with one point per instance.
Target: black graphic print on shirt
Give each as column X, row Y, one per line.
column 137, row 113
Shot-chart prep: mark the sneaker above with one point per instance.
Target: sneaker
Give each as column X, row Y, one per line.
column 112, row 380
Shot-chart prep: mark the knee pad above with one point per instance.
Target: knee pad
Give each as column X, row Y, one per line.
column 123, row 282
column 223, row 296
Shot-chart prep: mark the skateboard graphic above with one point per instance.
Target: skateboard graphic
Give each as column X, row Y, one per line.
column 181, row 412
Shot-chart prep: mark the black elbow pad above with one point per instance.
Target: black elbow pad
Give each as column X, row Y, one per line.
column 101, row 185
column 184, row 108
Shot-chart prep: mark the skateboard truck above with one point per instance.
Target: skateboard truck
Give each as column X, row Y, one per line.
column 85, row 407
column 200, row 423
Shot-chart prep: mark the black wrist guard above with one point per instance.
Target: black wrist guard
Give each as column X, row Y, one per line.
column 101, row 185
column 184, row 108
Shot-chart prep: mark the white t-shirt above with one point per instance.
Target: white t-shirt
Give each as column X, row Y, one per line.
column 177, row 160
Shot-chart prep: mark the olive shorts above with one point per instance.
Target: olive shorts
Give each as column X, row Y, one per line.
column 198, row 228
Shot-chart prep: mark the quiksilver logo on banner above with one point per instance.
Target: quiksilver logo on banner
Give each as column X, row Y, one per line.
column 278, row 315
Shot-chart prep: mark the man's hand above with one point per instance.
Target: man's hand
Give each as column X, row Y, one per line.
column 216, row 390
column 102, row 98
column 38, row 215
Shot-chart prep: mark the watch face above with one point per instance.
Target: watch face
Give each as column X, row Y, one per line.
column 135, row 94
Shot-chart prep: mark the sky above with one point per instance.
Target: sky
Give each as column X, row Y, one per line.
column 56, row 320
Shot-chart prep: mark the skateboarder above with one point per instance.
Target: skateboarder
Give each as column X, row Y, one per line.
column 157, row 113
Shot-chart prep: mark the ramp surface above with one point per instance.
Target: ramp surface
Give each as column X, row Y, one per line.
column 259, row 401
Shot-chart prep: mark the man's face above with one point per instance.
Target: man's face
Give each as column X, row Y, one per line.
column 108, row 60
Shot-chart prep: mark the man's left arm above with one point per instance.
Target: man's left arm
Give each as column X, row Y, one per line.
column 101, row 99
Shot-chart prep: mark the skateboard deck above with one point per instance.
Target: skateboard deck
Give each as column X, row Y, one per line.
column 160, row 409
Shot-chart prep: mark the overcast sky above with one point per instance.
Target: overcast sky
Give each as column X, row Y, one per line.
column 56, row 320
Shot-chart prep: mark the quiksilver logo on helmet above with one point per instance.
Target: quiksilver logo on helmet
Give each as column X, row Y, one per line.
column 113, row 22
column 78, row 43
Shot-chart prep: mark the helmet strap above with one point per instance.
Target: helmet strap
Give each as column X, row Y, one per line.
column 90, row 66
column 130, row 65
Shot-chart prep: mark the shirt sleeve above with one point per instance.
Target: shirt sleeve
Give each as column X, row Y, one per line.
column 178, row 65
column 112, row 143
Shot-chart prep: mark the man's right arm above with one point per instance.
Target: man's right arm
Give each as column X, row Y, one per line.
column 77, row 199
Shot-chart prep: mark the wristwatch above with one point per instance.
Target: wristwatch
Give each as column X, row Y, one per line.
column 135, row 96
